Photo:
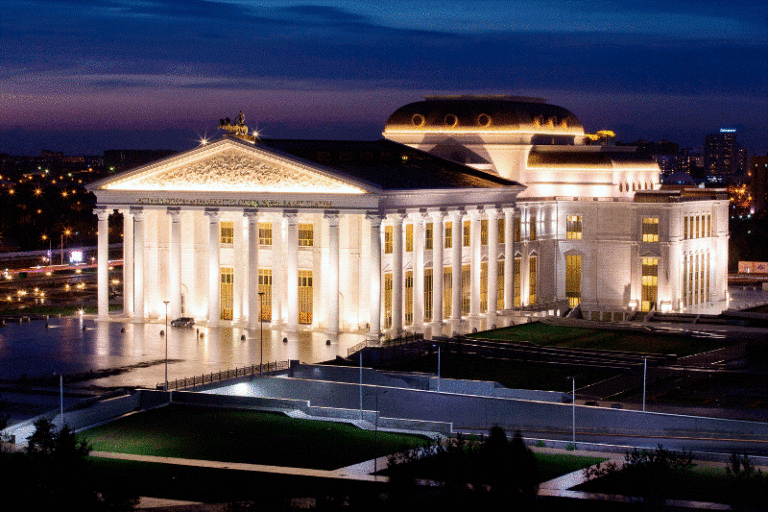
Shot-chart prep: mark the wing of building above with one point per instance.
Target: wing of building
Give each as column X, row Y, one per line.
column 471, row 211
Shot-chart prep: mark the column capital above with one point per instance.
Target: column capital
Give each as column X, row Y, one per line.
column 213, row 213
column 374, row 217
column 137, row 212
column 332, row 216
column 291, row 215
column 102, row 214
column 397, row 217
column 493, row 212
column 438, row 215
column 174, row 212
column 251, row 214
column 476, row 213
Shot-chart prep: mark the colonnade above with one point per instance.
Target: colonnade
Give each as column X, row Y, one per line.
column 285, row 265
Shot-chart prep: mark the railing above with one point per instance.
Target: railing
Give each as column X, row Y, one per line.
column 402, row 340
column 224, row 375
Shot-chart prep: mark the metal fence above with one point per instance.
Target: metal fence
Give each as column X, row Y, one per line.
column 224, row 375
column 402, row 340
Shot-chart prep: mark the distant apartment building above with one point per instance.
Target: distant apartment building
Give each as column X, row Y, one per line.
column 758, row 171
column 723, row 155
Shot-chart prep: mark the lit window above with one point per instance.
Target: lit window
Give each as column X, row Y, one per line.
column 573, row 279
column 428, row 236
column 409, row 238
column 502, row 234
column 532, row 228
column 573, row 227
column 306, row 235
column 467, row 233
column 227, row 232
column 388, row 240
column 517, row 229
column 650, row 283
column 448, row 235
column 484, row 232
column 265, row 233
column 532, row 279
column 650, row 229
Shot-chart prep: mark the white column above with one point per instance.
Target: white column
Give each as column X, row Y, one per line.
column 291, row 258
column 397, row 273
column 509, row 256
column 278, row 269
column 214, row 272
column 127, row 263
column 138, row 263
column 254, row 306
column 456, row 247
column 332, row 217
column 438, row 243
column 238, row 269
column 375, row 275
column 103, row 262
column 174, row 264
column 474, row 264
column 493, row 260
column 418, row 272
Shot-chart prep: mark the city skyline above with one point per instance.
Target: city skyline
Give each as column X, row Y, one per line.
column 86, row 76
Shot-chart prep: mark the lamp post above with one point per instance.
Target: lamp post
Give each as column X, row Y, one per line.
column 65, row 234
column 573, row 409
column 261, row 332
column 645, row 373
column 438, row 367
column 166, row 344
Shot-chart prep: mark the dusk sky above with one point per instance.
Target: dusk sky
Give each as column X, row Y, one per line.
column 83, row 76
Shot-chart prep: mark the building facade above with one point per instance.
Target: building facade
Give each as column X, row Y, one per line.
column 470, row 208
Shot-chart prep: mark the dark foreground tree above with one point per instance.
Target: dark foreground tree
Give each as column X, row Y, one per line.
column 54, row 473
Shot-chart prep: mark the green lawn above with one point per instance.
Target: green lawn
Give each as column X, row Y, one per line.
column 552, row 465
column 243, row 436
column 605, row 339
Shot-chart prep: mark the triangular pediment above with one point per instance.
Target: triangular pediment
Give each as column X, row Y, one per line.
column 229, row 166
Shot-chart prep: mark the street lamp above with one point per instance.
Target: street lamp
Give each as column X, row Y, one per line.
column 261, row 332
column 66, row 233
column 438, row 367
column 573, row 417
column 166, row 344
column 50, row 251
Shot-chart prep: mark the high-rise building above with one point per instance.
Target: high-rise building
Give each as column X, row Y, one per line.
column 723, row 155
column 758, row 172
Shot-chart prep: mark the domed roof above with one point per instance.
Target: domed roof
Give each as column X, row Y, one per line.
column 488, row 113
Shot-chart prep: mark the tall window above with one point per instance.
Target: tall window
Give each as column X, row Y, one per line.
column 428, row 236
column 517, row 229
column 573, row 227
column 650, row 229
column 227, row 292
column 484, row 287
column 484, row 232
column 709, row 226
column 388, row 240
column 685, row 228
column 573, row 279
column 447, row 292
column 650, row 283
column 532, row 279
column 467, row 238
column 698, row 227
column 409, row 297
column 502, row 232
column 265, row 233
column 466, row 289
column 265, row 287
column 306, row 235
column 448, row 235
column 227, row 232
column 532, row 228
column 305, row 296
column 387, row 300
column 516, row 289
column 409, row 238
column 500, row 285
column 427, row 294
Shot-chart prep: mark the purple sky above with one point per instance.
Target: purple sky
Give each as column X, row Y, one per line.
column 83, row 76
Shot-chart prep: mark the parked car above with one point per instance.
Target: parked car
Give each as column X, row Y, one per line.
column 183, row 321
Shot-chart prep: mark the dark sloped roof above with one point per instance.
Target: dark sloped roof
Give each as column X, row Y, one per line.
column 388, row 165
column 479, row 112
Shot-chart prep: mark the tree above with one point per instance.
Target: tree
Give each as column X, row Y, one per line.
column 54, row 473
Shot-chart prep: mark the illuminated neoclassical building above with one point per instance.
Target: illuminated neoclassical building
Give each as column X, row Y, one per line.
column 471, row 211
